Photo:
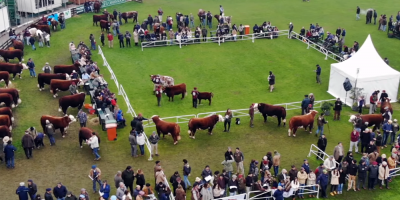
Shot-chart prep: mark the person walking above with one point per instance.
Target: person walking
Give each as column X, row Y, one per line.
column 60, row 191
column 133, row 143
column 50, row 132
column 110, row 38
column 271, row 81
column 337, row 108
column 153, row 139
column 128, row 176
column 31, row 67
column 321, row 122
column 95, row 175
column 102, row 38
column 322, row 143
column 239, row 158
column 358, row 13
column 373, row 170
column 94, row 144
column 27, row 144
column 354, row 137
column 140, row 141
column 22, row 191
column 82, row 118
column 228, row 119
column 195, row 95
column 318, row 73
column 338, row 153
column 186, row 173
column 158, row 95
column 9, row 150
column 32, row 189
column 322, row 180
column 251, row 114
column 383, row 175
column 276, row 161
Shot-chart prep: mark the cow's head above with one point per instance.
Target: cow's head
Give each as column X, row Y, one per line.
column 155, row 118
column 220, row 118
column 71, row 119
column 313, row 112
column 24, row 66
column 352, row 118
column 255, row 106
column 67, row 77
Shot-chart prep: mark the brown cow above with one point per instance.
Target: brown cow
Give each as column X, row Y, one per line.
column 5, row 131
column 7, row 111
column 271, row 110
column 205, row 96
column 6, row 121
column 45, row 28
column 67, row 68
column 62, row 85
column 84, row 134
column 169, row 128
column 387, row 104
column 45, row 78
column 374, row 120
column 18, row 44
column 171, row 91
column 54, row 24
column 61, row 123
column 14, row 93
column 13, row 68
column 11, row 54
column 203, row 123
column 105, row 25
column 302, row 121
column 5, row 76
column 7, row 99
column 96, row 6
column 129, row 15
column 75, row 100
column 97, row 18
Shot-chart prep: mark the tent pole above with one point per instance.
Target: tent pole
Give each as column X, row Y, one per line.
column 355, row 87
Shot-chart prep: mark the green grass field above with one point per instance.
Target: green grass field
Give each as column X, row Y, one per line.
column 235, row 72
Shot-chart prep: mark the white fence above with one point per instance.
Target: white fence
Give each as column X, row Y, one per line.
column 213, row 39
column 235, row 113
column 121, row 91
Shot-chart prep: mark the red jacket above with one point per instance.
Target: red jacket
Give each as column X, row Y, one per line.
column 371, row 99
column 354, row 137
column 158, row 92
column 195, row 94
column 110, row 37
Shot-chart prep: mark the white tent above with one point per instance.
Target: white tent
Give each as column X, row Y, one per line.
column 373, row 74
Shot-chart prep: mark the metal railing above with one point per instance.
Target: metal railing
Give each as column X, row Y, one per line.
column 213, row 39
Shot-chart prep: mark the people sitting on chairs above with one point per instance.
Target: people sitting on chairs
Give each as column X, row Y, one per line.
column 308, row 34
column 120, row 118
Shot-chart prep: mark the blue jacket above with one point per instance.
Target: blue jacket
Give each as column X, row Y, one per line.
column 60, row 192
column 344, row 33
column 9, row 151
column 106, row 191
column 119, row 115
column 278, row 194
column 387, row 127
column 398, row 17
column 305, row 102
column 31, row 65
column 22, row 192
column 322, row 179
column 318, row 71
column 306, row 168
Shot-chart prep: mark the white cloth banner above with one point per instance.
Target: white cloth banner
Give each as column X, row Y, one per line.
column 67, row 14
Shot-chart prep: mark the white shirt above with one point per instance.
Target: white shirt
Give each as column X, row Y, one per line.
column 93, row 142
column 140, row 139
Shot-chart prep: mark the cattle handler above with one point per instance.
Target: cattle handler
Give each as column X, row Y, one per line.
column 158, row 95
column 271, row 81
column 195, row 95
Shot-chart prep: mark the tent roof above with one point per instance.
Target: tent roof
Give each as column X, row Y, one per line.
column 369, row 62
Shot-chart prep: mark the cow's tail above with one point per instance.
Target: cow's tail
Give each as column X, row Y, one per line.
column 189, row 132
column 177, row 132
column 290, row 128
column 284, row 116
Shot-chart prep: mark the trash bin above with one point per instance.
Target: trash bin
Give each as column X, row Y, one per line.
column 246, row 29
column 111, row 131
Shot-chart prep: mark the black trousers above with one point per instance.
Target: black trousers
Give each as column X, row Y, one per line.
column 128, row 42
column 28, row 152
column 121, row 44
column 39, row 142
column 204, row 38
column 83, row 124
column 194, row 103
column 364, row 146
column 102, row 43
column 339, row 160
column 130, row 186
column 321, row 153
column 229, row 124
column 371, row 183
column 159, row 101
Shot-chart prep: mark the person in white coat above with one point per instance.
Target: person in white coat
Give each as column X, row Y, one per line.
column 295, row 184
column 94, row 144
column 140, row 141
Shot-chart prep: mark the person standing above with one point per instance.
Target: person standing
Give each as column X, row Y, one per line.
column 354, row 137
column 150, row 22
column 82, row 118
column 22, row 191
column 290, row 29
column 60, row 191
column 46, row 39
column 372, row 103
column 386, row 59
column 186, row 173
column 158, row 95
column 140, row 141
column 318, row 73
column 50, row 132
column 27, row 144
column 321, row 122
column 32, row 42
column 238, row 157
column 302, row 177
column 361, row 104
column 121, row 40
column 31, row 67
column 322, row 180
column 120, row 18
column 153, row 139
column 387, row 129
column 118, row 179
column 204, row 33
column 358, row 13
column 337, row 108
column 362, row 175
column 322, row 143
column 352, row 171
column 133, row 143
column 136, row 37
column 304, row 105
column 32, row 189
column 160, row 14
column 92, row 42
column 375, row 16
column 128, row 176
column 95, row 175
column 128, row 39
column 46, row 68
column 383, row 175
column 251, row 114
column 73, row 88
column 338, row 153
column 373, row 170
column 102, row 39
column 228, row 119
column 195, row 95
column 105, row 189
column 271, row 81
column 365, row 137
column 276, row 161
column 110, row 38
column 94, row 144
